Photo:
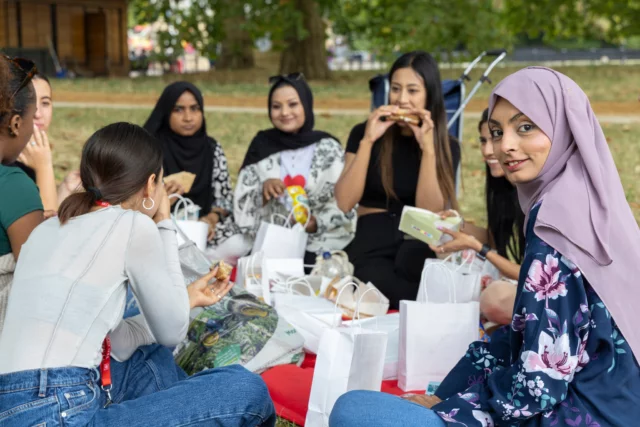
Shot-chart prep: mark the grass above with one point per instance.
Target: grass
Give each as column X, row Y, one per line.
column 601, row 83
column 72, row 127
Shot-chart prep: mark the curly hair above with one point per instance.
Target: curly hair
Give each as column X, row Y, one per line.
column 13, row 99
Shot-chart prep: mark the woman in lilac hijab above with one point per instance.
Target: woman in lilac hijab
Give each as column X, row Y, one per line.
column 570, row 354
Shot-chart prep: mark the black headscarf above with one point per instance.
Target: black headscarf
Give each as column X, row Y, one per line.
column 272, row 141
column 184, row 153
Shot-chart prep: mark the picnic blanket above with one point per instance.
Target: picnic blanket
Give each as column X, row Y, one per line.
column 290, row 387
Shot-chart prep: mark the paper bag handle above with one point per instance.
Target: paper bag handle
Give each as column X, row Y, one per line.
column 347, row 285
column 182, row 201
column 357, row 313
column 452, row 283
column 290, row 216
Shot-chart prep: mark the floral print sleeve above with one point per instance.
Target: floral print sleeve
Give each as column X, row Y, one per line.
column 561, row 336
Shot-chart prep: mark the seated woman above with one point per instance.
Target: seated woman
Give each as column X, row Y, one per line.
column 571, row 357
column 391, row 165
column 36, row 158
column 178, row 122
column 65, row 307
column 292, row 153
column 20, row 206
column 502, row 240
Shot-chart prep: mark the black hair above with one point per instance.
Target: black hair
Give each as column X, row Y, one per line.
column 427, row 68
column 504, row 215
column 116, row 163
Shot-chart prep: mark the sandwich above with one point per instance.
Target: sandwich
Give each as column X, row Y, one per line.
column 224, row 270
column 185, row 179
column 405, row 116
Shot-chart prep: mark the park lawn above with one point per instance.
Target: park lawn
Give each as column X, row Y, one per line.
column 601, row 83
column 72, row 126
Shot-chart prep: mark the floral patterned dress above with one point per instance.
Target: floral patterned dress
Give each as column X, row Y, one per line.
column 563, row 361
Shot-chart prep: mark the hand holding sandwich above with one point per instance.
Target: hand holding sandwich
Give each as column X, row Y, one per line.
column 424, row 130
column 378, row 123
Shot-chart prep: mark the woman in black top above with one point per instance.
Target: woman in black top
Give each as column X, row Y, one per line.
column 389, row 166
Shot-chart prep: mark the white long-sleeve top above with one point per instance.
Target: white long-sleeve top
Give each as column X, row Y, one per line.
column 69, row 291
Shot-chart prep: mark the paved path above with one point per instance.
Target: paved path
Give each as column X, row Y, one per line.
column 604, row 118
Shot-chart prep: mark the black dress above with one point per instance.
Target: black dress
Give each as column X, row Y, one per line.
column 379, row 252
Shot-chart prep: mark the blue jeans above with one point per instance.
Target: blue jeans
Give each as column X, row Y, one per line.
column 371, row 408
column 143, row 395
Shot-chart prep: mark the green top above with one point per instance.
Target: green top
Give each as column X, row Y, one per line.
column 18, row 197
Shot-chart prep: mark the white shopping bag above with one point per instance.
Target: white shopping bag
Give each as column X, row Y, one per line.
column 434, row 336
column 357, row 296
column 467, row 280
column 277, row 271
column 249, row 274
column 390, row 324
column 349, row 358
column 309, row 314
column 310, row 325
column 186, row 220
column 281, row 241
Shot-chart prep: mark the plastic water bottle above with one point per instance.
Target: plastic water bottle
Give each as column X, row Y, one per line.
column 331, row 268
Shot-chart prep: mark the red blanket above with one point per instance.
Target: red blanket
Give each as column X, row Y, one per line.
column 290, row 387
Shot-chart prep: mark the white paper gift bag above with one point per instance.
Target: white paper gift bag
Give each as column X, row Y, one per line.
column 249, row 274
column 389, row 323
column 434, row 336
column 349, row 358
column 281, row 241
column 278, row 271
column 466, row 278
column 186, row 220
column 310, row 325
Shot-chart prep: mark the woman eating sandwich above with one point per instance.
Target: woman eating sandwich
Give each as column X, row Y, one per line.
column 402, row 156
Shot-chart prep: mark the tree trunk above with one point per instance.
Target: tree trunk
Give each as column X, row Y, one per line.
column 237, row 46
column 309, row 55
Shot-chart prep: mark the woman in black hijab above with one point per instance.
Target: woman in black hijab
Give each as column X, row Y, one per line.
column 178, row 122
column 293, row 153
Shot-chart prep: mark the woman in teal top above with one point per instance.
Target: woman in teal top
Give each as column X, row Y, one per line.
column 21, row 209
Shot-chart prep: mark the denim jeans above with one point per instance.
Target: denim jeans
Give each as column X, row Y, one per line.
column 371, row 408
column 147, row 390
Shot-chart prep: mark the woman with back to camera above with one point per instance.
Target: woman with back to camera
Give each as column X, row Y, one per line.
column 65, row 308
column 571, row 357
column 389, row 165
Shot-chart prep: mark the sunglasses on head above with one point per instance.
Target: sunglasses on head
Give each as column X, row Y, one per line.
column 292, row 76
column 27, row 66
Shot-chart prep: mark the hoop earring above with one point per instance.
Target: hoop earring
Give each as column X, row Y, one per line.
column 153, row 203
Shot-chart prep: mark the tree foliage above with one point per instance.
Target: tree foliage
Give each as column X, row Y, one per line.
column 608, row 20
column 387, row 26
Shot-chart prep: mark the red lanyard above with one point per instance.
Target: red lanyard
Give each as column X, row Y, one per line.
column 105, row 365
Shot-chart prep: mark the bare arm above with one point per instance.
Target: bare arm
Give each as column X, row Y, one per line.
column 350, row 186
column 20, row 230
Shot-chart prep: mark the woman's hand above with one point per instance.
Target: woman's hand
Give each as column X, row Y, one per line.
column 272, row 189
column 211, row 220
column 203, row 294
column 312, row 226
column 173, row 187
column 422, row 400
column 376, row 127
column 37, row 153
column 424, row 133
column 164, row 206
column 461, row 241
column 448, row 214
